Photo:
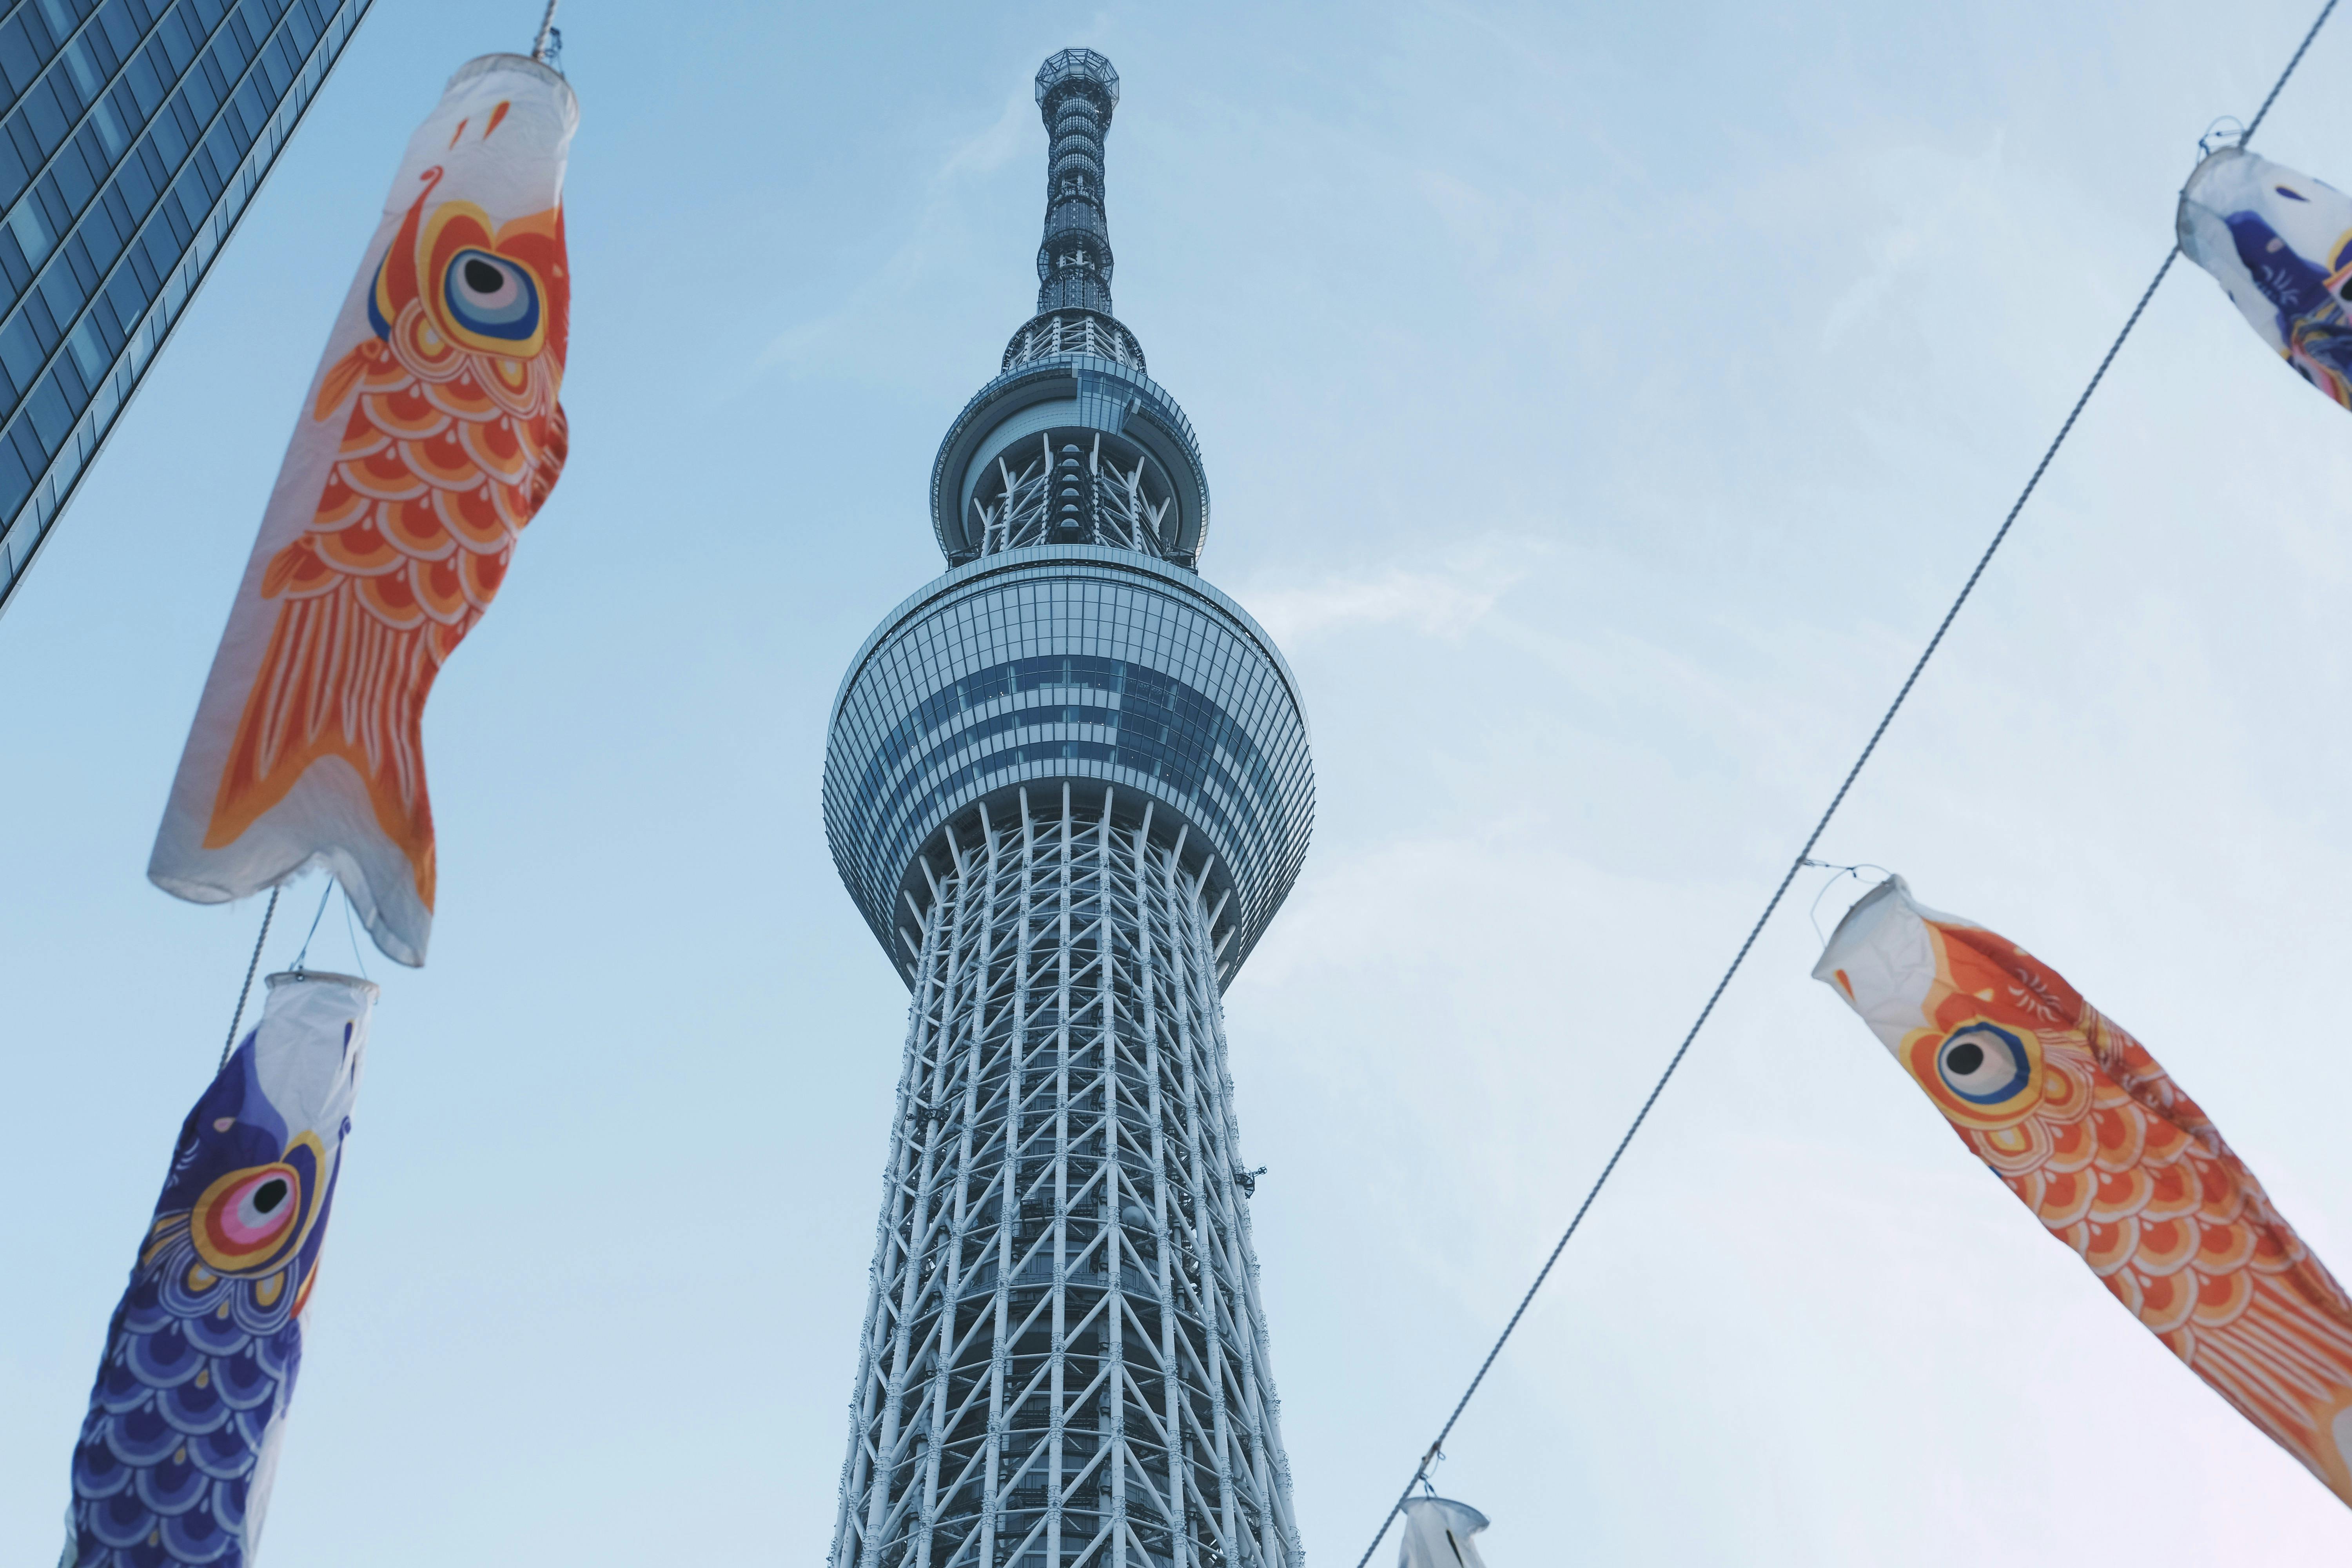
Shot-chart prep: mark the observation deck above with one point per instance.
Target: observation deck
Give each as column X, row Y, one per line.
column 1126, row 679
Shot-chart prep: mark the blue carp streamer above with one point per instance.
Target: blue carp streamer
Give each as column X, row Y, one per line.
column 185, row 1418
column 2279, row 244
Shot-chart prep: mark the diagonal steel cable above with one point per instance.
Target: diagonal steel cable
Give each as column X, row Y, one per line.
column 1772, row 904
column 2264, row 112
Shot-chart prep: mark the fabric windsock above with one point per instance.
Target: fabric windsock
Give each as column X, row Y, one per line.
column 2084, row 1126
column 426, row 442
column 189, row 1408
column 1437, row 1533
column 2281, row 245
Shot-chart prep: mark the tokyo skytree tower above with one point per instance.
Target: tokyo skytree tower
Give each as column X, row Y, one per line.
column 1067, row 783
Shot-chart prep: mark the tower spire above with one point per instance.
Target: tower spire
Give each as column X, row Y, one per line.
column 1077, row 91
column 1072, row 443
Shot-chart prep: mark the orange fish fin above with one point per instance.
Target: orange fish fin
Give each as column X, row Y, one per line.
column 2288, row 1369
column 341, row 376
column 338, row 679
column 554, row 447
column 287, row 566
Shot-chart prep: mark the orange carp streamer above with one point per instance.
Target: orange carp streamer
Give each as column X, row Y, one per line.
column 2083, row 1125
column 430, row 438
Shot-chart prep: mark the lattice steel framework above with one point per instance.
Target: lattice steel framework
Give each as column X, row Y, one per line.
column 1080, row 495
column 1065, row 1358
column 1068, row 785
column 1073, row 333
column 1077, row 91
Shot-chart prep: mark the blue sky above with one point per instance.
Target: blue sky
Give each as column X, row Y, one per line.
column 1602, row 404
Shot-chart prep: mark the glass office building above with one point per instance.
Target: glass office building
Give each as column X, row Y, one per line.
column 1068, row 785
column 136, row 134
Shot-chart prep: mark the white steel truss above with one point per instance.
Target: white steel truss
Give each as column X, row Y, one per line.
column 1063, row 1363
column 1073, row 332
column 1063, row 491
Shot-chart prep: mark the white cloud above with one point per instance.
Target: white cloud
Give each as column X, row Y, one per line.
column 1442, row 601
column 861, row 333
column 1013, row 135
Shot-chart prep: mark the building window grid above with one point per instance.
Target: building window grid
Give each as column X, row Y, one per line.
column 250, row 117
column 918, row 646
column 1282, row 777
column 1204, row 785
column 976, row 690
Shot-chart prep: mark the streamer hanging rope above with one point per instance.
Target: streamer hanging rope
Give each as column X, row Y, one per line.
column 324, row 894
column 246, row 990
column 1421, row 1472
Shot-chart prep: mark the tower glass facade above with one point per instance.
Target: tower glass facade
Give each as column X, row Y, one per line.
column 133, row 136
column 1068, row 785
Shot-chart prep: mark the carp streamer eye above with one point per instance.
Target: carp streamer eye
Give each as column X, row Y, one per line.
column 490, row 297
column 244, row 1220
column 1984, row 1064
